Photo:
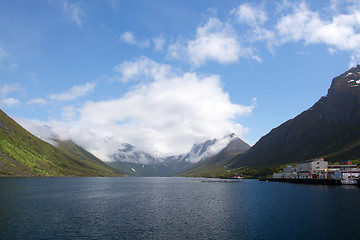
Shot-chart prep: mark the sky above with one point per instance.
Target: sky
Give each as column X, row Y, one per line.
column 163, row 75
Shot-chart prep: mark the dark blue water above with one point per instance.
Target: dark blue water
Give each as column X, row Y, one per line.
column 175, row 208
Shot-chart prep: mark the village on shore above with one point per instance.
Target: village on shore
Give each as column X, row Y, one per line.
column 318, row 171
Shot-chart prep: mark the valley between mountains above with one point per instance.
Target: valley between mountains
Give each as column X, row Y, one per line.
column 329, row 129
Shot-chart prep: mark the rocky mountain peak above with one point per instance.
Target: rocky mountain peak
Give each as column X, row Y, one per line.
column 346, row 82
column 342, row 103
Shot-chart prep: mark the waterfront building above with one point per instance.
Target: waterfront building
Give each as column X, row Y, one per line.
column 344, row 171
column 288, row 172
column 319, row 169
column 312, row 169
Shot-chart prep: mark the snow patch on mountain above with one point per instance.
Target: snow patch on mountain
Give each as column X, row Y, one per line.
column 200, row 151
column 209, row 148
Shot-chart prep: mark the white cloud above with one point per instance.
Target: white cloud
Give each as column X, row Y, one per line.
column 253, row 16
column 339, row 5
column 337, row 26
column 6, row 89
column 129, row 38
column 73, row 12
column 37, row 101
column 178, row 50
column 143, row 67
column 74, row 92
column 39, row 128
column 159, row 43
column 165, row 115
column 214, row 41
column 341, row 31
column 69, row 112
column 9, row 102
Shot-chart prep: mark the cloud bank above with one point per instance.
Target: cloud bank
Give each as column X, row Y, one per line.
column 339, row 29
column 248, row 26
column 163, row 115
column 339, row 32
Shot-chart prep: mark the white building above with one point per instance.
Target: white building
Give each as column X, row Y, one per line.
column 319, row 169
column 312, row 169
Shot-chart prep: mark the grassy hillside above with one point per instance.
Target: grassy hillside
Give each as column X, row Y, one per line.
column 72, row 150
column 24, row 155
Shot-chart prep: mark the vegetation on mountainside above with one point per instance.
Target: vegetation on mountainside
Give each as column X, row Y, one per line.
column 350, row 152
column 211, row 171
column 23, row 154
column 245, row 172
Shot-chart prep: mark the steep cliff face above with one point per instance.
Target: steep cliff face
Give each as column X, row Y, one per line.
column 330, row 128
column 343, row 100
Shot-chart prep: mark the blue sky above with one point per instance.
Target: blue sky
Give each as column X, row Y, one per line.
column 163, row 75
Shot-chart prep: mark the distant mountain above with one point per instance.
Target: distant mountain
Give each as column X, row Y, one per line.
column 24, row 155
column 218, row 164
column 136, row 163
column 169, row 167
column 330, row 129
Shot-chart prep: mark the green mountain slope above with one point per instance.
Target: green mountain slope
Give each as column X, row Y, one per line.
column 23, row 154
column 72, row 150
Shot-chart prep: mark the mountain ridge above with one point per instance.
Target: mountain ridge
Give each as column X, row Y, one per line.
column 174, row 165
column 331, row 125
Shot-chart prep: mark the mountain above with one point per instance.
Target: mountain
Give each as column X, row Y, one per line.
column 24, row 155
column 329, row 129
column 218, row 164
column 167, row 168
column 131, row 162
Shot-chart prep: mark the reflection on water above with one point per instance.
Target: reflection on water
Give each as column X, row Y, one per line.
column 174, row 208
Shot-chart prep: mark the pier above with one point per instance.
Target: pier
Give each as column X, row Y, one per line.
column 304, row 180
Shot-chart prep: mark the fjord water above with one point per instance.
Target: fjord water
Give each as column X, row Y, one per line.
column 175, row 208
